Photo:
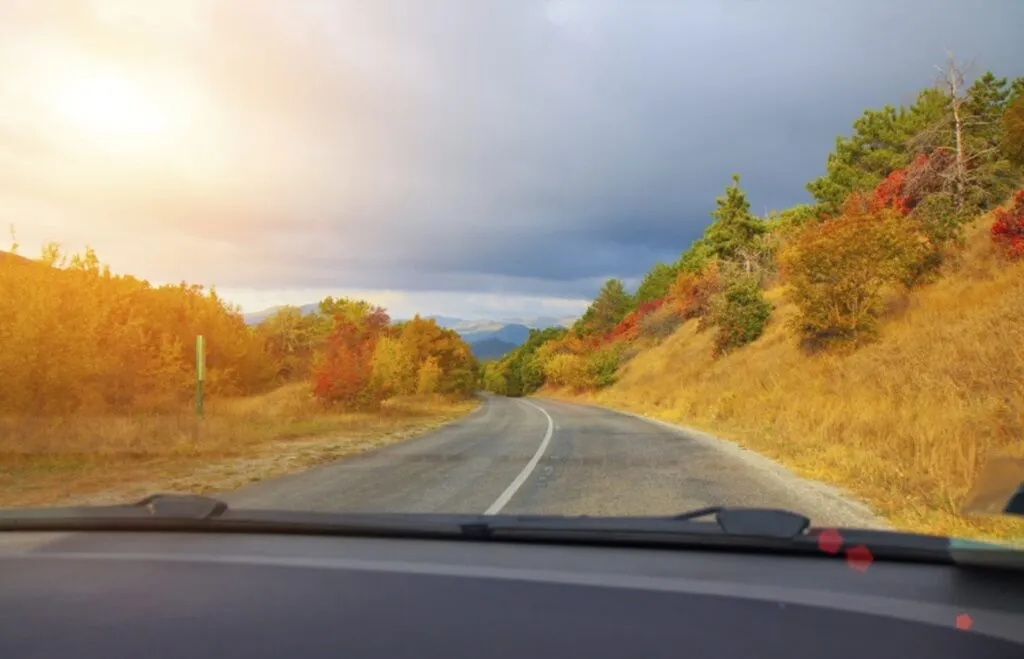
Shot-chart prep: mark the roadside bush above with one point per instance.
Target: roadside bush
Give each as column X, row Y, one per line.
column 692, row 292
column 839, row 269
column 661, row 323
column 603, row 366
column 739, row 313
column 1008, row 228
column 568, row 370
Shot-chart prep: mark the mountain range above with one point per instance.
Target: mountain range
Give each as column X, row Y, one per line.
column 488, row 339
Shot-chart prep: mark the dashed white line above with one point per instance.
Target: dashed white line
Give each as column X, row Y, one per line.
column 503, row 500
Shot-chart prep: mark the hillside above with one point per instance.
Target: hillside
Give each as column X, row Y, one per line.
column 905, row 422
column 872, row 339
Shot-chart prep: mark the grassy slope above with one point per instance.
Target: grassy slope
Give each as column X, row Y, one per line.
column 116, row 459
column 904, row 423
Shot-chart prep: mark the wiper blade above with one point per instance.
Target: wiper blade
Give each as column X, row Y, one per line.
column 733, row 528
column 177, row 512
column 761, row 522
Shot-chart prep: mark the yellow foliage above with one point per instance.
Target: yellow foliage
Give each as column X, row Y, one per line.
column 429, row 377
column 77, row 338
column 394, row 369
column 568, row 370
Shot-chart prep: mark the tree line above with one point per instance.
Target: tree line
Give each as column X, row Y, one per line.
column 888, row 215
column 78, row 339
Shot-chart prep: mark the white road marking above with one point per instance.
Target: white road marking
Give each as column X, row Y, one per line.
column 503, row 500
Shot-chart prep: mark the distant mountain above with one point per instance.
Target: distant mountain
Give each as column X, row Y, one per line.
column 257, row 317
column 513, row 333
column 448, row 322
column 487, row 338
column 491, row 348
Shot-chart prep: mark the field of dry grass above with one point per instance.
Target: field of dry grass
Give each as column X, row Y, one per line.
column 88, row 460
column 905, row 424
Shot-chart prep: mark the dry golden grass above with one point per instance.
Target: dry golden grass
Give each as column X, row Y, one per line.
column 905, row 423
column 114, row 459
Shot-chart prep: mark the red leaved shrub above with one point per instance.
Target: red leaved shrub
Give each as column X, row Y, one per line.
column 629, row 327
column 1008, row 229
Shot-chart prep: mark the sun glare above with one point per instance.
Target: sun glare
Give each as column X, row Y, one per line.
column 110, row 107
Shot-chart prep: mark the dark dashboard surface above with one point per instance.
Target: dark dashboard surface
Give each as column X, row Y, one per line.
column 109, row 595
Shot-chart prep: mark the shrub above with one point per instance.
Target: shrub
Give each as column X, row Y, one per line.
column 740, row 313
column 692, row 292
column 941, row 227
column 1008, row 228
column 660, row 323
column 629, row 327
column 839, row 269
column 568, row 370
column 603, row 365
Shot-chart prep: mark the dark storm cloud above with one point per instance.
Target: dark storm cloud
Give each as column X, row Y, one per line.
column 523, row 147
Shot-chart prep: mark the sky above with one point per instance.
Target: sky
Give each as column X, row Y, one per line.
column 473, row 158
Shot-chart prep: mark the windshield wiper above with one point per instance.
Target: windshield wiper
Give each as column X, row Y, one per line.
column 755, row 529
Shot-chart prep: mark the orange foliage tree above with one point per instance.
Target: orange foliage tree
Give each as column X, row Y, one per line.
column 839, row 269
column 692, row 292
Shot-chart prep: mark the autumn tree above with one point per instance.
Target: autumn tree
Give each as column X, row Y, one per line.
column 838, row 271
column 291, row 340
column 345, row 372
column 691, row 293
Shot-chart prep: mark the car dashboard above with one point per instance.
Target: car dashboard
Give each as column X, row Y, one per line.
column 178, row 594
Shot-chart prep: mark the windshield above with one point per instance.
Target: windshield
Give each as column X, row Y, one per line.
column 537, row 257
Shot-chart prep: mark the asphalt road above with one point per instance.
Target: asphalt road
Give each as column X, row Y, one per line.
column 518, row 456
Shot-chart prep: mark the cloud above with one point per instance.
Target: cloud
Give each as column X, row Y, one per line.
column 519, row 148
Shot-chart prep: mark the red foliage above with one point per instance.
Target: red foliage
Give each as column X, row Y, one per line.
column 1008, row 229
column 904, row 188
column 344, row 375
column 629, row 327
column 890, row 193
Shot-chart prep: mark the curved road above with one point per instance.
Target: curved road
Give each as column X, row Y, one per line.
column 530, row 456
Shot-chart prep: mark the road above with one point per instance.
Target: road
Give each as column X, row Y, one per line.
column 537, row 456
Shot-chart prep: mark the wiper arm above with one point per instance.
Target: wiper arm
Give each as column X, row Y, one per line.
column 178, row 512
column 761, row 522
